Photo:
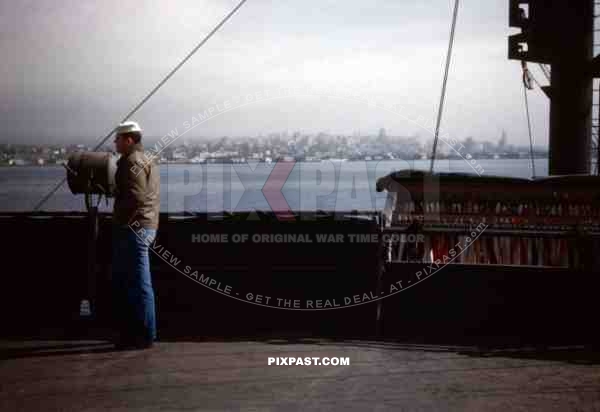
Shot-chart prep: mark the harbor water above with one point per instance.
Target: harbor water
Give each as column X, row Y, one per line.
column 326, row 185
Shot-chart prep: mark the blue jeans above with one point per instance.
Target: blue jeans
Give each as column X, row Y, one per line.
column 133, row 296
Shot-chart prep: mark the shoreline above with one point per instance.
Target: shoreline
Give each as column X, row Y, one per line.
column 61, row 165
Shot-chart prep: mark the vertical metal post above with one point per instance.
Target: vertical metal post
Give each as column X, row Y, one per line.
column 597, row 154
column 381, row 262
column 572, row 88
column 90, row 281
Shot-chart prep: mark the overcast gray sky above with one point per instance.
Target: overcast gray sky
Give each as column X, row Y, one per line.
column 72, row 68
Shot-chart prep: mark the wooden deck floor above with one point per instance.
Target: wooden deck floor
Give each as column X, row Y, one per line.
column 214, row 376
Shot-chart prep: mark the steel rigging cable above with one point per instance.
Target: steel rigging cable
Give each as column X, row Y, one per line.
column 528, row 81
column 443, row 96
column 149, row 95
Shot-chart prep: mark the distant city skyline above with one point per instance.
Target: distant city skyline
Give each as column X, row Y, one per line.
column 283, row 147
column 74, row 68
column 413, row 134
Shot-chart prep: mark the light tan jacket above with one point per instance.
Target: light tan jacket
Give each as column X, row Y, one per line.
column 137, row 197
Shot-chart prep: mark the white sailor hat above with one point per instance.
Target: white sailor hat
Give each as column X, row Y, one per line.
column 128, row 127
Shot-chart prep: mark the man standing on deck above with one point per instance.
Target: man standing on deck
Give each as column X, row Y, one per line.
column 135, row 222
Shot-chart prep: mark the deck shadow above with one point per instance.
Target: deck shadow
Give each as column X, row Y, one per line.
column 62, row 349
